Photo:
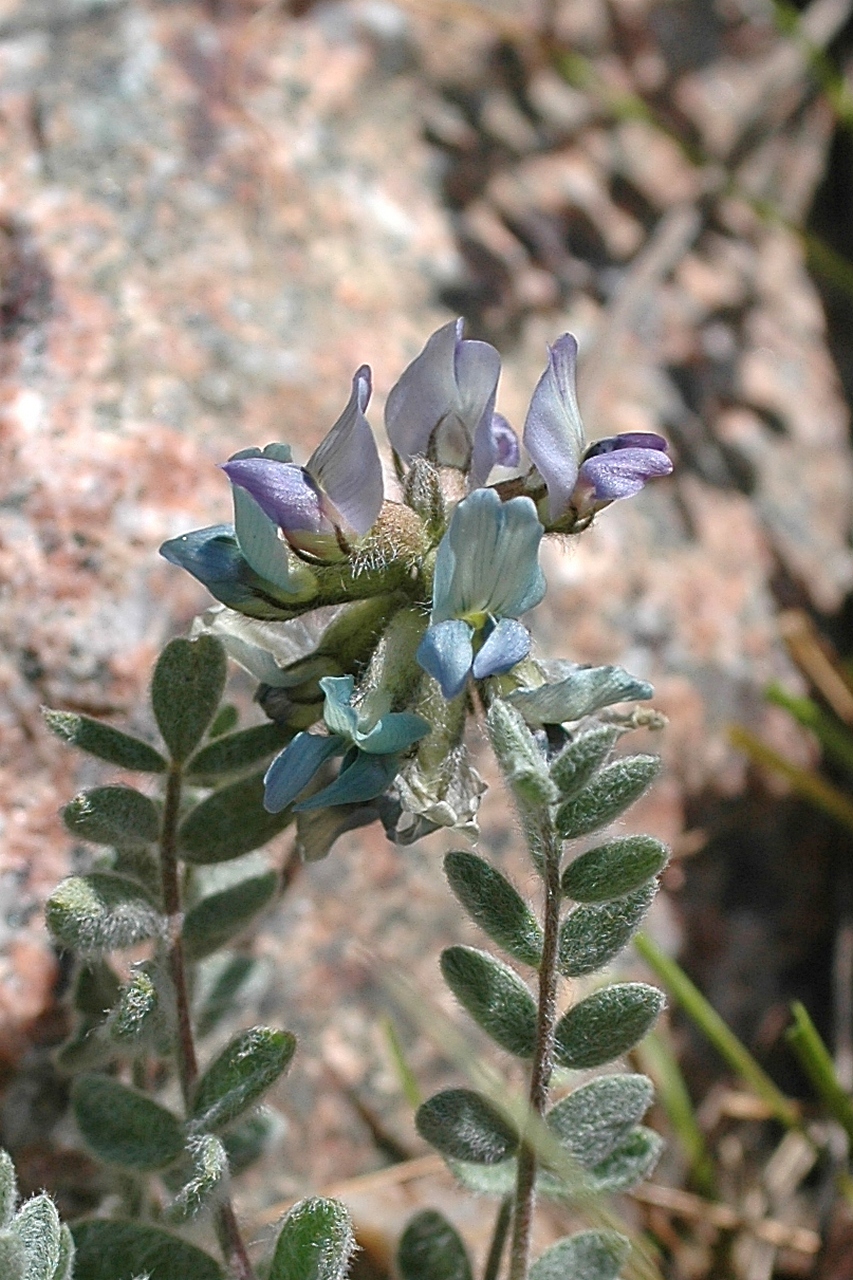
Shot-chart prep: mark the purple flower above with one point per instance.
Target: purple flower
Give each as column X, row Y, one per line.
column 335, row 496
column 619, row 466
column 579, row 479
column 442, row 407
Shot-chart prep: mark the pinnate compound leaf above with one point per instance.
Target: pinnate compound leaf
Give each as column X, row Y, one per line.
column 237, row 752
column 430, row 1249
column 493, row 904
column 112, row 815
column 464, row 1125
column 13, row 1259
column 495, row 997
column 613, row 869
column 37, row 1226
column 188, row 682
column 241, row 1074
column 108, row 1250
column 103, row 741
column 8, row 1188
column 630, row 1164
column 609, row 794
column 213, row 921
column 592, row 935
column 125, row 1127
column 576, row 764
column 315, row 1242
column 606, row 1025
column 230, row 822
column 589, row 1255
column 597, row 1116
column 101, row 912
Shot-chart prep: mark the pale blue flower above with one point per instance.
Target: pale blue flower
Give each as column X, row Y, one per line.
column 337, row 494
column 215, row 557
column 371, row 746
column 578, row 478
column 487, row 575
column 442, row 407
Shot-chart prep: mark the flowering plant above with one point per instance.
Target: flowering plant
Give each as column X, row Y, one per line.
column 377, row 626
column 461, row 570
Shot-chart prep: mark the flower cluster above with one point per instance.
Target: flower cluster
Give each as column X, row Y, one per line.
column 370, row 620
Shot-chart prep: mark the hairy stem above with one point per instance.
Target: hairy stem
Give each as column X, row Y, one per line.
column 543, row 1054
column 499, row 1235
column 227, row 1231
column 169, row 870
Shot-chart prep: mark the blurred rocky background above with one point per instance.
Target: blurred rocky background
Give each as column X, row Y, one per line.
column 210, row 214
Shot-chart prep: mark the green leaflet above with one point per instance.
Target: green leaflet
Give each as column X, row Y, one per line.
column 224, row 990
column 629, row 1164
column 523, row 765
column 125, row 1127
column 65, row 1266
column 430, row 1249
column 589, row 1255
column 101, row 912
column 225, row 720
column 495, row 997
column 493, row 904
column 113, row 815
column 230, row 822
column 109, row 1250
column 613, row 869
column 138, row 1017
column 596, row 1117
column 36, row 1224
column 315, row 1242
column 96, row 989
column 576, row 764
column 13, row 1260
column 241, row 1075
column 188, row 682
column 592, row 935
column 208, row 1162
column 8, row 1188
column 213, row 921
column 105, row 742
column 493, row 1180
column 236, row 752
column 606, row 1024
column 247, row 1140
column 464, row 1125
column 609, row 794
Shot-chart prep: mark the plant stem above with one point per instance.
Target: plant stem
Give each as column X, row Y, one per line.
column 499, row 1235
column 169, row 870
column 227, row 1231
column 543, row 1053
